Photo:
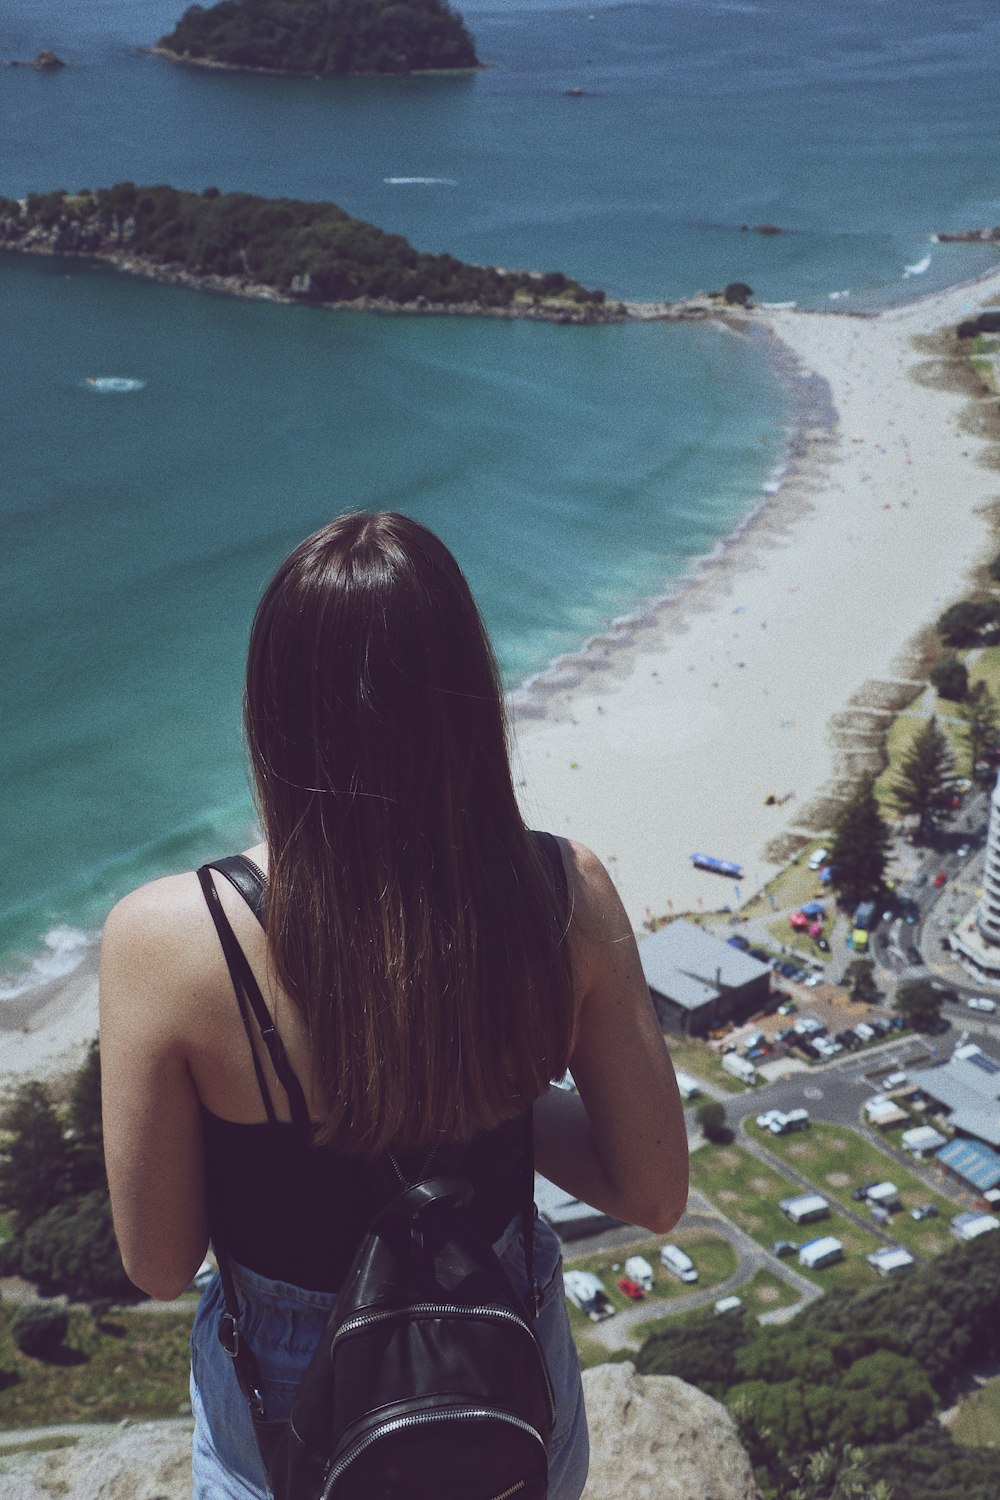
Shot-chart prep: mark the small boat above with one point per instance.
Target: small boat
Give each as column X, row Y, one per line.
column 112, row 384
column 717, row 866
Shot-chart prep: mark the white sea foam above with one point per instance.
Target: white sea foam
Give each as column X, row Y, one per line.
column 421, row 181
column 778, row 306
column 66, row 947
column 918, row 268
column 836, row 296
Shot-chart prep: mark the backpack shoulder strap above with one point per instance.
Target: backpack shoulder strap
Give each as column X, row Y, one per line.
column 249, row 997
column 249, row 880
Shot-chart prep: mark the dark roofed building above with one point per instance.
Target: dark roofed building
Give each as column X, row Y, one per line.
column 699, row 982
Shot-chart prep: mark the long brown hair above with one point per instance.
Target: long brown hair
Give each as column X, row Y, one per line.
column 411, row 915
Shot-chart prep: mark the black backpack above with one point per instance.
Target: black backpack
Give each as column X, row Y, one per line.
column 429, row 1381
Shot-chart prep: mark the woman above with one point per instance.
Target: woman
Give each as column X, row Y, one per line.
column 429, row 966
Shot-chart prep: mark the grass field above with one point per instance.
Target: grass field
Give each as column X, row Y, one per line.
column 135, row 1365
column 748, row 1192
column 838, row 1159
column 698, row 1059
column 977, row 1422
column 714, row 1258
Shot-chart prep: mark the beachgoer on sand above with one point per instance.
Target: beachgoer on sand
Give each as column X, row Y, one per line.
column 424, row 962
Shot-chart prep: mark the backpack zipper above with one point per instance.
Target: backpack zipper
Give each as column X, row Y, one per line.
column 512, row 1491
column 419, row 1419
column 501, row 1314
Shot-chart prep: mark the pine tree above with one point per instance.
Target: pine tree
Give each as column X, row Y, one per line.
column 34, row 1169
column 925, row 784
column 981, row 715
column 86, row 1128
column 860, row 847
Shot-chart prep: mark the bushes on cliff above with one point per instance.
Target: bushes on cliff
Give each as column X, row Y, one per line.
column 312, row 250
column 53, row 1182
column 39, row 1328
column 325, row 37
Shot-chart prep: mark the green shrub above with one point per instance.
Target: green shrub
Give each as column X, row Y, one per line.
column 39, row 1328
column 73, row 1250
column 950, row 678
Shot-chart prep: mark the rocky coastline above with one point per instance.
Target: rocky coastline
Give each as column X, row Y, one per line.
column 217, row 65
column 109, row 242
column 969, row 236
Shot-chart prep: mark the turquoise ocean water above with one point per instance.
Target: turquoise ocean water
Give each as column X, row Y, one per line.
column 574, row 471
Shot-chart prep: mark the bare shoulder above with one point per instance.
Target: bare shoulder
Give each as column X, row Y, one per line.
column 161, row 927
column 597, row 911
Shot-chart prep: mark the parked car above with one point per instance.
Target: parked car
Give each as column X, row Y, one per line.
column 632, row 1289
column 859, row 1194
column 963, row 850
column 924, row 1211
column 586, row 1292
column 673, row 1257
column 785, row 1247
column 894, row 1080
column 760, row 954
column 728, row 1304
column 981, row 1002
column 941, row 878
column 738, row 941
column 817, row 859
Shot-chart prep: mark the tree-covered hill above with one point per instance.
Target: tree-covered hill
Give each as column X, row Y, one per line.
column 310, row 252
column 324, row 37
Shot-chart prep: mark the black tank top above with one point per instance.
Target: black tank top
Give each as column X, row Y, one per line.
column 296, row 1212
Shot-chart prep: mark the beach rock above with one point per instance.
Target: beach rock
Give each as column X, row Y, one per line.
column 761, row 229
column 143, row 1461
column 42, row 62
column 970, row 236
column 653, row 1437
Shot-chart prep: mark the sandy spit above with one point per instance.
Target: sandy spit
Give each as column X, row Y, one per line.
column 665, row 736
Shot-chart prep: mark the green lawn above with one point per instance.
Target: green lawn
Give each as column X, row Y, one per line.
column 977, row 1423
column 986, row 669
column 713, row 1256
column 898, row 740
column 138, row 1367
column 698, row 1059
column 791, row 886
column 838, row 1159
column 748, row 1192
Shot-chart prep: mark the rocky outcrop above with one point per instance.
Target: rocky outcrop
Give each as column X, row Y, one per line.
column 652, row 1437
column 140, row 1461
column 761, row 229
column 42, row 62
column 970, row 236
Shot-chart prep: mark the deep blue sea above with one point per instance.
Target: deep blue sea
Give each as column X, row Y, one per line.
column 575, row 472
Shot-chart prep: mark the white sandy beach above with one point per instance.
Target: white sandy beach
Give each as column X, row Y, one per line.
column 669, row 743
column 665, row 737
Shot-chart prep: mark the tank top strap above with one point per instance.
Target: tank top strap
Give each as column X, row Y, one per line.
column 251, row 885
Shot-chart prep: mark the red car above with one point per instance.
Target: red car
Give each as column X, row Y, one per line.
column 940, row 878
column 631, row 1288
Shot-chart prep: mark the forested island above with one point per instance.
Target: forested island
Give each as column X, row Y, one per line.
column 323, row 38
column 284, row 250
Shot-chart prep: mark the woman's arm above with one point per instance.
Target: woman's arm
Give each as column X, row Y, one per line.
column 152, row 1125
column 622, row 1144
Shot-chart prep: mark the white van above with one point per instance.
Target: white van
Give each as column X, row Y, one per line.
column 586, row 1291
column 818, row 858
column 641, row 1272
column 739, row 1067
column 728, row 1304
column 675, row 1260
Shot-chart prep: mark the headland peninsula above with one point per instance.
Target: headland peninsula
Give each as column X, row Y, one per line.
column 322, row 38
column 282, row 250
